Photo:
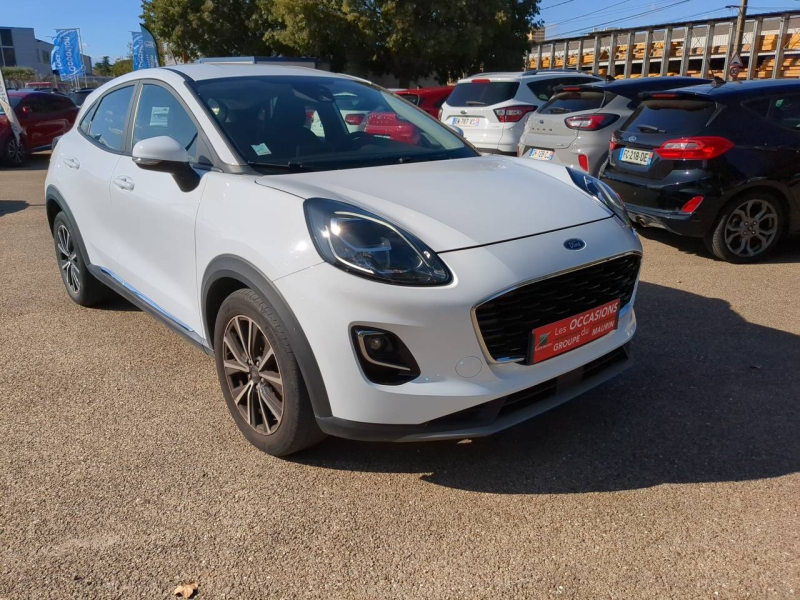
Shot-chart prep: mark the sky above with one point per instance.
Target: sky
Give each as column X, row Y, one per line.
column 106, row 24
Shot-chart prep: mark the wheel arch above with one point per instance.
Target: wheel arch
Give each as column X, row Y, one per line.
column 55, row 204
column 226, row 274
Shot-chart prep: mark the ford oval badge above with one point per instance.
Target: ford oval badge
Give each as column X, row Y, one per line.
column 574, row 244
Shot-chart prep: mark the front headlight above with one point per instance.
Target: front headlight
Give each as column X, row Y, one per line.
column 602, row 192
column 363, row 244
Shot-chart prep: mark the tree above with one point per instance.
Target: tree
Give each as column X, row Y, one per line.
column 207, row 28
column 19, row 74
column 121, row 66
column 103, row 67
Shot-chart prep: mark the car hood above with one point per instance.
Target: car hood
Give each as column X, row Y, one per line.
column 460, row 203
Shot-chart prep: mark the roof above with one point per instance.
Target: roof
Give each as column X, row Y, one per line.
column 630, row 87
column 517, row 75
column 745, row 89
column 199, row 71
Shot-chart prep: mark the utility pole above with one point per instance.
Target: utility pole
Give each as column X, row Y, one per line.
column 736, row 42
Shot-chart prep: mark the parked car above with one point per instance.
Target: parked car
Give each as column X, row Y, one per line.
column 715, row 161
column 580, row 140
column 490, row 108
column 428, row 99
column 390, row 125
column 347, row 284
column 43, row 117
column 79, row 95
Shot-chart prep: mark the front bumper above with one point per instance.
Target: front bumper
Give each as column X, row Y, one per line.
column 436, row 325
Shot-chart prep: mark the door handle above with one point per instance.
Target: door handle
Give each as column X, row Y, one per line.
column 72, row 163
column 124, row 183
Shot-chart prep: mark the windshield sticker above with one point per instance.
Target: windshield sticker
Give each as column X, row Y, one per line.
column 261, row 149
column 159, row 116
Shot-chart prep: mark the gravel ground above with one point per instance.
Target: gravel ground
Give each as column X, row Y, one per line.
column 122, row 474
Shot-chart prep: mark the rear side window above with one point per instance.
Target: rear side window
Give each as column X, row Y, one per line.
column 107, row 126
column 482, row 93
column 670, row 116
column 567, row 102
column 545, row 88
column 759, row 106
column 785, row 112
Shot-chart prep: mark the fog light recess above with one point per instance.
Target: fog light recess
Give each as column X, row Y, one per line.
column 383, row 356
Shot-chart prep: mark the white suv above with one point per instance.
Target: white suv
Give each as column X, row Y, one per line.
column 491, row 108
column 346, row 283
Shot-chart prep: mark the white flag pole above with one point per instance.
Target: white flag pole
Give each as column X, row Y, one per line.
column 16, row 128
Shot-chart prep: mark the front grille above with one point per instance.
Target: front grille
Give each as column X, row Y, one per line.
column 506, row 322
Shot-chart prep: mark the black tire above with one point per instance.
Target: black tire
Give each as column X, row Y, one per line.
column 82, row 287
column 760, row 218
column 295, row 428
column 15, row 154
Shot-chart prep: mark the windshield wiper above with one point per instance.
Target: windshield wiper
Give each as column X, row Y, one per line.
column 650, row 129
column 291, row 165
column 475, row 103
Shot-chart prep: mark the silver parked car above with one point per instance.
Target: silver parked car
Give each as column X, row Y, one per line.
column 574, row 127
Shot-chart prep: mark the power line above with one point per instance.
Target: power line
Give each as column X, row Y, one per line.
column 608, row 12
column 554, row 5
column 641, row 14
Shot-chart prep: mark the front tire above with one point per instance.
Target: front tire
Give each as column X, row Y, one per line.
column 260, row 377
column 748, row 228
column 83, row 288
column 14, row 152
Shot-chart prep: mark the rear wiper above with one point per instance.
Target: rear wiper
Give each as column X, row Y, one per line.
column 475, row 103
column 292, row 165
column 651, row 129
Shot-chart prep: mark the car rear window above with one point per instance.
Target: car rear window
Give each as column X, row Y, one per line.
column 482, row 93
column 567, row 102
column 670, row 116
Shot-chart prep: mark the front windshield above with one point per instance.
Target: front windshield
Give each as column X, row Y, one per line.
column 320, row 123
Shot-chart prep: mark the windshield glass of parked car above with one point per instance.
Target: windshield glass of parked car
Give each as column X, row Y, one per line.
column 320, row 123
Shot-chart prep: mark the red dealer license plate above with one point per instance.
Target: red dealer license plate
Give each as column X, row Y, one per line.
column 573, row 332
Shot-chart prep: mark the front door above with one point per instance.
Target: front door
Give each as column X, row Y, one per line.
column 154, row 219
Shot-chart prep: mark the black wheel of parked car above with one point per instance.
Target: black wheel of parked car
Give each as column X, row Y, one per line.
column 82, row 286
column 748, row 228
column 260, row 377
column 14, row 152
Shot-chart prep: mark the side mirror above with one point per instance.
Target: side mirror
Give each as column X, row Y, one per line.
column 166, row 155
column 455, row 128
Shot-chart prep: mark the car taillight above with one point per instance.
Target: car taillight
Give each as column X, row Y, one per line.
column 590, row 122
column 512, row 114
column 692, row 205
column 694, row 148
column 354, row 119
column 583, row 161
column 440, row 114
column 614, row 143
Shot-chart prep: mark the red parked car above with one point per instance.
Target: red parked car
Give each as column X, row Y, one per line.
column 43, row 117
column 393, row 126
column 428, row 99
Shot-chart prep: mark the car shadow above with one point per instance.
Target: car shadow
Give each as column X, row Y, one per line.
column 38, row 161
column 711, row 398
column 8, row 207
column 787, row 250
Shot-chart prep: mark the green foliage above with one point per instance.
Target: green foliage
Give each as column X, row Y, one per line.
column 20, row 74
column 121, row 66
column 103, row 67
column 411, row 39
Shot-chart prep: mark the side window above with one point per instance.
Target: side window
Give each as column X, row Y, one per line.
column 161, row 114
column 107, row 126
column 759, row 106
column 785, row 112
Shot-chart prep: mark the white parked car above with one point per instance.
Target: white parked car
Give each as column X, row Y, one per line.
column 353, row 285
column 491, row 108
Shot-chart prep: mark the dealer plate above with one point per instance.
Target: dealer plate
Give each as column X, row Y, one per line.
column 573, row 332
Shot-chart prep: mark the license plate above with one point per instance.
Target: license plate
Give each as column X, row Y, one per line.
column 540, row 154
column 466, row 121
column 637, row 157
column 573, row 332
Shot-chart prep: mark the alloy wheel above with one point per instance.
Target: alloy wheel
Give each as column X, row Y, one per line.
column 751, row 228
column 16, row 152
column 68, row 260
column 253, row 374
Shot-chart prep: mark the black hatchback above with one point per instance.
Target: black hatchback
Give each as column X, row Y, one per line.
column 719, row 161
